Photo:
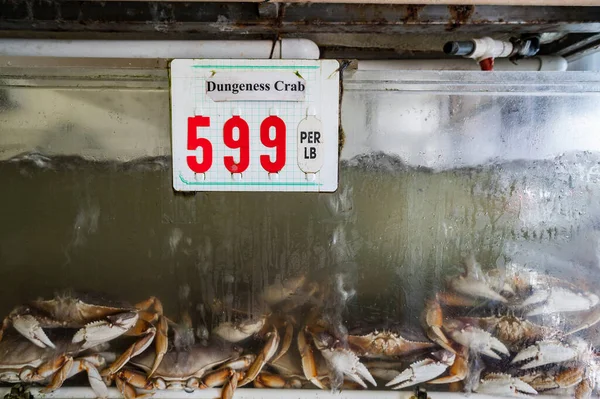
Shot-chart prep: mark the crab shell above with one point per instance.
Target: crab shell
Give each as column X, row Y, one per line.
column 562, row 379
column 17, row 353
column 22, row 361
column 385, row 344
column 181, row 366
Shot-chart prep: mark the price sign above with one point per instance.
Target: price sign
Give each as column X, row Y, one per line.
column 255, row 125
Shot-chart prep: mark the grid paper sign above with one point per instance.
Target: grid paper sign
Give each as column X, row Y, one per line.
column 255, row 125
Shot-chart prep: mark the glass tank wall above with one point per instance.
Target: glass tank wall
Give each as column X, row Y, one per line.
column 467, row 220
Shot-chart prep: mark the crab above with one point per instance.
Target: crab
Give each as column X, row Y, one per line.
column 287, row 372
column 264, row 328
column 447, row 333
column 218, row 364
column 560, row 365
column 383, row 344
column 341, row 361
column 97, row 323
column 539, row 295
column 21, row 361
column 283, row 300
column 500, row 384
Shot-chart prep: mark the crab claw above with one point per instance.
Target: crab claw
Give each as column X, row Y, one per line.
column 545, row 352
column 474, row 283
column 558, row 300
column 504, row 385
column 98, row 332
column 236, row 332
column 31, row 329
column 475, row 288
column 347, row 363
column 423, row 371
column 479, row 341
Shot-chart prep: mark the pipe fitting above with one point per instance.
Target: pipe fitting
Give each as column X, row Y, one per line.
column 484, row 50
column 486, row 47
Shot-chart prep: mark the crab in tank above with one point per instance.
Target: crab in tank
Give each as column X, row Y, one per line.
column 318, row 336
column 270, row 335
column 512, row 332
column 218, row 364
column 23, row 362
column 287, row 372
column 96, row 321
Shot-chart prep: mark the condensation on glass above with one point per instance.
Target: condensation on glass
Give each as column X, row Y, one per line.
column 438, row 169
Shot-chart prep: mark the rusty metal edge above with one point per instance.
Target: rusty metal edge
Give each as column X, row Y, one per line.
column 554, row 3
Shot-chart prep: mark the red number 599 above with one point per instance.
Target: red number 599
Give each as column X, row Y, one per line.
column 242, row 143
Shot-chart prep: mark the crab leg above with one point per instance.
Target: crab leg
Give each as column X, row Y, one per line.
column 309, row 366
column 128, row 380
column 269, row 380
column 89, row 365
column 434, row 319
column 216, row 378
column 584, row 389
column 58, row 369
column 458, row 371
column 152, row 310
column 136, row 348
column 287, row 341
column 64, row 367
column 94, row 378
column 265, row 355
column 162, row 343
column 231, row 385
column 53, row 368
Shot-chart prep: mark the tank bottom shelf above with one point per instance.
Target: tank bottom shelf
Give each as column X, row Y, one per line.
column 255, row 393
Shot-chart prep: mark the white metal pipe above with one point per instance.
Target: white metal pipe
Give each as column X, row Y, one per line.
column 259, row 49
column 540, row 63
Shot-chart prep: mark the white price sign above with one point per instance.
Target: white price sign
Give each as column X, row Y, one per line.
column 255, row 125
